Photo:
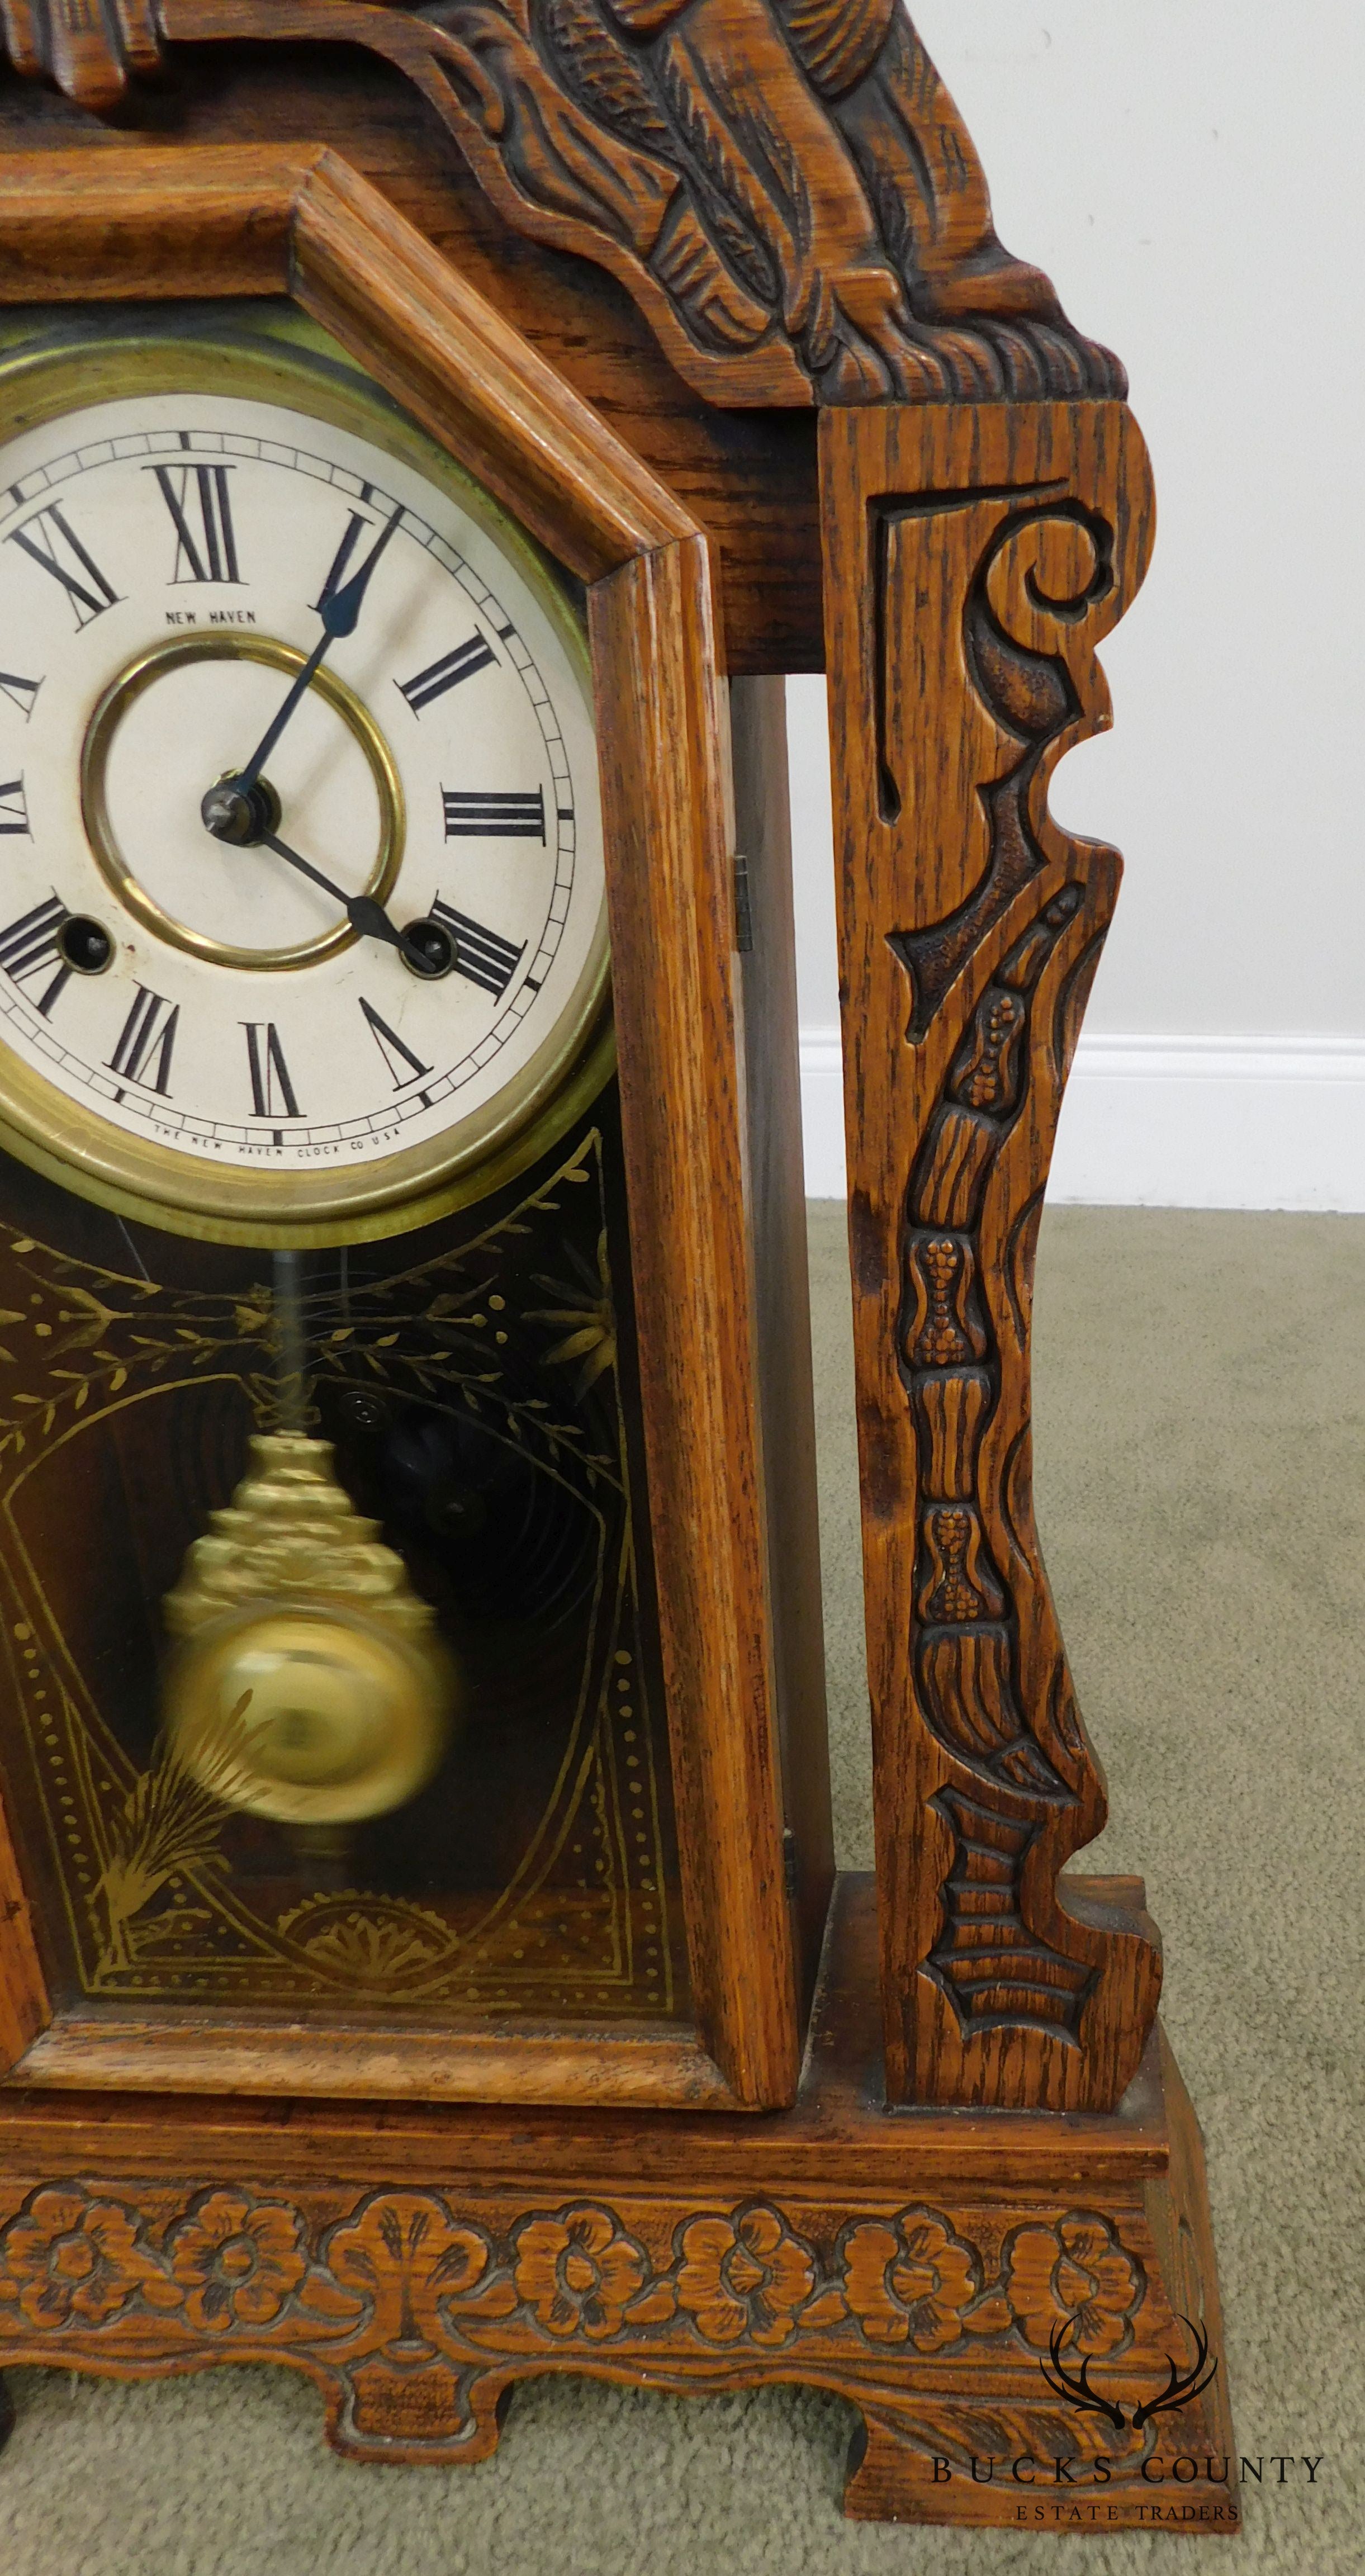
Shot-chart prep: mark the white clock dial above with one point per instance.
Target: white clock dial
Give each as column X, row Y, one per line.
column 166, row 564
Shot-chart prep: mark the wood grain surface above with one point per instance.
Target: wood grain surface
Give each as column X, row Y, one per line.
column 950, row 2275
column 748, row 478
column 663, row 749
column 666, row 797
column 975, row 560
column 789, row 194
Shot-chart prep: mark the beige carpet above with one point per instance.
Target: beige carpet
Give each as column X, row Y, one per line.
column 1201, row 1473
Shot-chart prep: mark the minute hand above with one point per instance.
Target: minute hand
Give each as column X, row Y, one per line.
column 366, row 917
column 340, row 614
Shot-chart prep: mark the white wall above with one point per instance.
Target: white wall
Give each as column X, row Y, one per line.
column 1192, row 174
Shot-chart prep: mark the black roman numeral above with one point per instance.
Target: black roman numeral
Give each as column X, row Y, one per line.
column 392, row 1049
column 29, row 947
column 473, row 817
column 21, row 693
column 13, row 807
column 148, row 1032
column 466, row 659
column 201, row 513
column 272, row 1092
column 341, row 558
column 53, row 543
column 480, row 955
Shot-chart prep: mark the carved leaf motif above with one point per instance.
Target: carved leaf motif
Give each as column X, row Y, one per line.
column 604, row 75
column 399, row 2304
column 403, row 2252
column 839, row 244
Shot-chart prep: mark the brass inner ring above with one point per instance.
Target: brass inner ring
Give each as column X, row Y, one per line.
column 142, row 673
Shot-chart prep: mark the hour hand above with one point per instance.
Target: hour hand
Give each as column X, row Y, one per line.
column 367, row 918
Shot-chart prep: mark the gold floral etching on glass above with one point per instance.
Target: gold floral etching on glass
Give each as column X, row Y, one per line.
column 136, row 1852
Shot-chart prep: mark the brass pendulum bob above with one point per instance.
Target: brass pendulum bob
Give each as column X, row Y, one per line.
column 309, row 1684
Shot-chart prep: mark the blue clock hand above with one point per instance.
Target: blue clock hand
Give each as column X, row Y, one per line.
column 340, row 614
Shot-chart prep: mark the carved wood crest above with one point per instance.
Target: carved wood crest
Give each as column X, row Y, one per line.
column 784, row 186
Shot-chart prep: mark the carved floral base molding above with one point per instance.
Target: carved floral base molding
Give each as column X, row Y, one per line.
column 1004, row 2301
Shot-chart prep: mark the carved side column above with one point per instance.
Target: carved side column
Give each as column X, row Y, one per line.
column 975, row 556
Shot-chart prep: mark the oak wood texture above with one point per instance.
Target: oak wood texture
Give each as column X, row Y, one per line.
column 417, row 2264
column 167, row 222
column 975, row 559
column 498, row 407
column 671, row 900
column 25, row 2005
column 789, row 194
column 748, row 478
column 784, row 201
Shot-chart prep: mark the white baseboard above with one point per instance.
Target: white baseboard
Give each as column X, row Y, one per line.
column 1258, row 1122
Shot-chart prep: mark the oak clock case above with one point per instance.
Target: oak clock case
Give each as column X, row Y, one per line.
column 329, row 1611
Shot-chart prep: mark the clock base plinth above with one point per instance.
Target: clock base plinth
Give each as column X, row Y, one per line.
column 920, row 2264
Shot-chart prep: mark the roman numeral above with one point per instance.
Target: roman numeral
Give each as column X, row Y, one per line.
column 470, row 817
column 52, row 542
column 272, row 1092
column 341, row 558
column 480, row 955
column 466, row 659
column 201, row 514
column 392, row 1049
column 148, row 1031
column 13, row 807
column 21, row 693
column 29, row 947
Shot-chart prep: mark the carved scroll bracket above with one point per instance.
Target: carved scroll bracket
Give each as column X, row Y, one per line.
column 974, row 560
column 784, row 186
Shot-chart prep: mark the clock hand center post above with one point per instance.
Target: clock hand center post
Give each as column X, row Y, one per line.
column 244, row 810
column 247, row 818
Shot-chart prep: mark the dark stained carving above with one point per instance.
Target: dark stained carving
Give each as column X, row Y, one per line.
column 990, row 1964
column 92, row 50
column 1030, row 695
column 784, row 185
column 974, row 559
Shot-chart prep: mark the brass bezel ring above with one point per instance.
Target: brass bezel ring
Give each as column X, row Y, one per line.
column 141, row 1178
column 141, row 674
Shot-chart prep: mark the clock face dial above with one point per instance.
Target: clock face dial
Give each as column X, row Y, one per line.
column 372, row 965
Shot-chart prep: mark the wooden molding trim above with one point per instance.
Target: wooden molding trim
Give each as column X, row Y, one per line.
column 923, row 2270
column 975, row 559
column 665, row 799
column 651, row 2071
column 789, row 194
column 306, row 224
column 218, row 221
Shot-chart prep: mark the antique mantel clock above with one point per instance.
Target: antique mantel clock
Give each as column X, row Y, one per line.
column 421, row 1958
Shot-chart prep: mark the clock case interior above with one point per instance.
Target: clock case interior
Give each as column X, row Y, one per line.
column 478, row 1374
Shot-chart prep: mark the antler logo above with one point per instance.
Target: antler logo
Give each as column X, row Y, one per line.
column 1181, row 2387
